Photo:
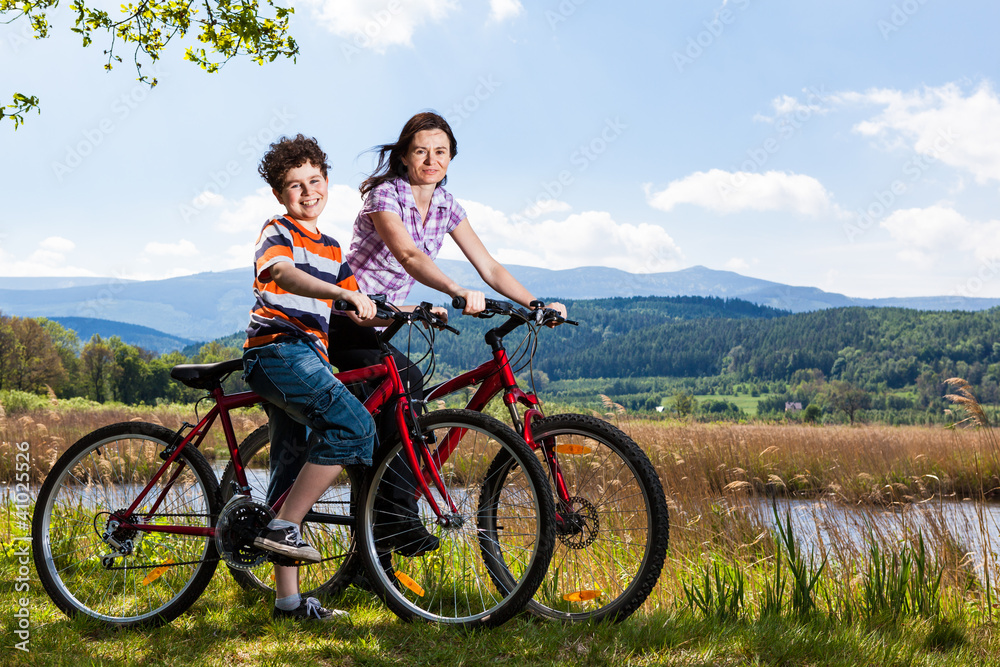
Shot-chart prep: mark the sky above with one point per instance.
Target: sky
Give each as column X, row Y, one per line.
column 852, row 146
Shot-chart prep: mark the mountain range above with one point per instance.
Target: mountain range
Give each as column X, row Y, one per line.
column 206, row 306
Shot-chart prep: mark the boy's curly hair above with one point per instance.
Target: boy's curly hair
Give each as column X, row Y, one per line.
column 286, row 154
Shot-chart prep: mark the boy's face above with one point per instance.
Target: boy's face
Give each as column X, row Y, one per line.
column 304, row 193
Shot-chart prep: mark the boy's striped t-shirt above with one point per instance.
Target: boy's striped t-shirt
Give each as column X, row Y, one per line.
column 277, row 313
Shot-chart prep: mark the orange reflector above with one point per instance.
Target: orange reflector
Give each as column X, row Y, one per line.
column 157, row 573
column 573, row 449
column 410, row 583
column 581, row 596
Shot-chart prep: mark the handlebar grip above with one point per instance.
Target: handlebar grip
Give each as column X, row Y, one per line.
column 340, row 304
column 458, row 302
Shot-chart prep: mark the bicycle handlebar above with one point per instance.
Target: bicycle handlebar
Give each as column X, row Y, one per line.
column 387, row 311
column 538, row 314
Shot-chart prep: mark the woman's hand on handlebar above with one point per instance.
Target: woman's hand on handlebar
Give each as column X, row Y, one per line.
column 558, row 307
column 475, row 301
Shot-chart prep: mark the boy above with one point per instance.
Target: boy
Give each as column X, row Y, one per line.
column 298, row 274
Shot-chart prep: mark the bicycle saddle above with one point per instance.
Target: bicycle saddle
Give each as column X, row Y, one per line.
column 205, row 376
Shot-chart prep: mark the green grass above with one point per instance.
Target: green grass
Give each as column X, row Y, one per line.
column 227, row 626
column 744, row 402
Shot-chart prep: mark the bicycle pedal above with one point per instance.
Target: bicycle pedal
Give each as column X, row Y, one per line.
column 285, row 561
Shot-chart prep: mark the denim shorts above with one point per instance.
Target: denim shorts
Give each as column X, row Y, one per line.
column 292, row 376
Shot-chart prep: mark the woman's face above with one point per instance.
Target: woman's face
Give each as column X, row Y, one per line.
column 428, row 157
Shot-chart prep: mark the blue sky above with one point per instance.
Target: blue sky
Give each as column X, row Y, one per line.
column 851, row 145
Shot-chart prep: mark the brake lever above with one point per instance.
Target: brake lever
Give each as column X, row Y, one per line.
column 434, row 320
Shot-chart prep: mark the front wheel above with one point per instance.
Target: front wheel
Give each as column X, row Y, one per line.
column 611, row 527
column 125, row 577
column 458, row 583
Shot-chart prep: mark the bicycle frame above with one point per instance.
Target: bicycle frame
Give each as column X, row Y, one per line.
column 493, row 377
column 388, row 391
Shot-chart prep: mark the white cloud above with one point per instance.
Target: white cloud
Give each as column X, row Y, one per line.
column 786, row 105
column 501, row 10
column 591, row 238
column 48, row 259
column 960, row 130
column 239, row 255
column 545, row 206
column 208, row 198
column 928, row 228
column 927, row 234
column 941, row 122
column 729, row 192
column 247, row 214
column 342, row 206
column 376, row 24
column 57, row 244
column 738, row 264
column 182, row 248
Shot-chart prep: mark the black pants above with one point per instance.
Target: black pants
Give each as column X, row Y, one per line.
column 353, row 346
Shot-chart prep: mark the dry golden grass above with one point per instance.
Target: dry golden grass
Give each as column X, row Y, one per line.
column 868, row 464
column 50, row 432
column 718, row 479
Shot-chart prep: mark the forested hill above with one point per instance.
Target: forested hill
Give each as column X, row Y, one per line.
column 866, row 346
column 601, row 320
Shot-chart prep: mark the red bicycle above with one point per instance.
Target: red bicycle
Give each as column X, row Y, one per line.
column 612, row 525
column 130, row 524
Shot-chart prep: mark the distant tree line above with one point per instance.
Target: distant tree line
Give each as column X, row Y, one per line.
column 40, row 356
column 897, row 358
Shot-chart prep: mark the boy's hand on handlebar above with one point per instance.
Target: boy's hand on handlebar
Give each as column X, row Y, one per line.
column 364, row 306
column 440, row 312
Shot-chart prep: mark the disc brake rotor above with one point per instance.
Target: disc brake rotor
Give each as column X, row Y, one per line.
column 580, row 523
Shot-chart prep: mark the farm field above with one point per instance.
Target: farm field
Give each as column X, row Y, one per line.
column 870, row 564
column 744, row 402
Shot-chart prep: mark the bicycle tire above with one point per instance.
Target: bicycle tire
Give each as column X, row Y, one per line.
column 332, row 540
column 452, row 584
column 102, row 473
column 612, row 542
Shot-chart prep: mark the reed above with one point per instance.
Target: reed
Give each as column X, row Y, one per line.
column 52, row 430
column 719, row 593
column 840, row 490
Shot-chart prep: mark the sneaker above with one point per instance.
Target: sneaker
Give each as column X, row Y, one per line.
column 398, row 529
column 287, row 542
column 309, row 609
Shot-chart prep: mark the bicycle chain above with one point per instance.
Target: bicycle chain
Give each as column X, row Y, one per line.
column 143, row 566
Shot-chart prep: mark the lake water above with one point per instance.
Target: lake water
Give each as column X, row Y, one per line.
column 833, row 528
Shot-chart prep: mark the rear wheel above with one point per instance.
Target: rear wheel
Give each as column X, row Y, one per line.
column 611, row 532
column 327, row 527
column 125, row 577
column 460, row 582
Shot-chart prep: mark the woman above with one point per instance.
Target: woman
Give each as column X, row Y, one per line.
column 397, row 235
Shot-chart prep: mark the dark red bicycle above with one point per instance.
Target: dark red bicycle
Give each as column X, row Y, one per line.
column 612, row 526
column 131, row 523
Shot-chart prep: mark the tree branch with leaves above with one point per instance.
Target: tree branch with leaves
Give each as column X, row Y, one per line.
column 221, row 30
